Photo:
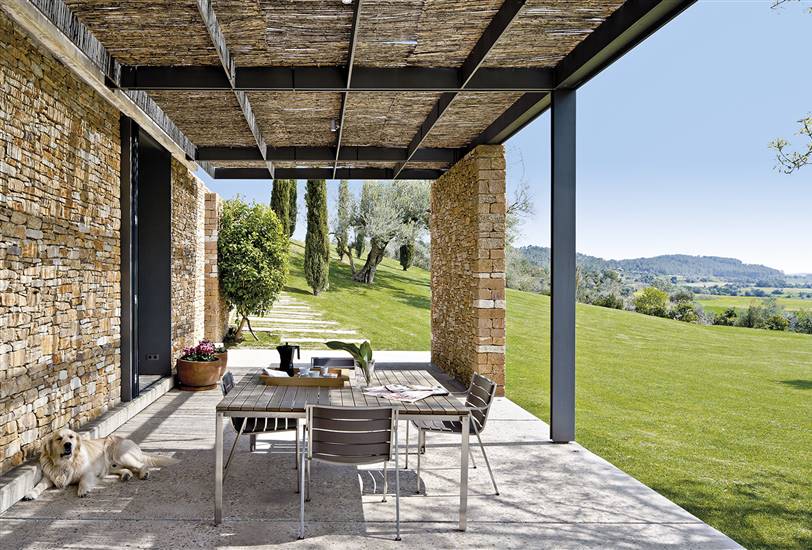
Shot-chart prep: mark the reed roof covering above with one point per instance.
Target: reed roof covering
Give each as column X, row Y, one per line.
column 392, row 35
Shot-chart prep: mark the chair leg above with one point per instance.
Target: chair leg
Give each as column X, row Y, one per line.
column 397, row 486
column 407, row 445
column 252, row 445
column 385, row 484
column 419, row 439
column 301, row 493
column 234, row 447
column 487, row 463
column 296, row 461
column 473, row 462
column 307, row 468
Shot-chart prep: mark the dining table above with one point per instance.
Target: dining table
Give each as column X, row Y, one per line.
column 251, row 397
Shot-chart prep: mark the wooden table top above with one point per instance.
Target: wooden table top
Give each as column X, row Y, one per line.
column 252, row 395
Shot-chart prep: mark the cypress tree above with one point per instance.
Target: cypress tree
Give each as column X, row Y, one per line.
column 406, row 255
column 280, row 203
column 317, row 240
column 293, row 209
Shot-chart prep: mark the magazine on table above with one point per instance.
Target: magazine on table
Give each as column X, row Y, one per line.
column 405, row 393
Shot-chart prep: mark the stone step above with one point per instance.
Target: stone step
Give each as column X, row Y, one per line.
column 289, row 321
column 307, row 340
column 291, row 307
column 306, row 330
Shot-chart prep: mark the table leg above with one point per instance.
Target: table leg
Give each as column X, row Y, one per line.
column 464, row 452
column 218, row 470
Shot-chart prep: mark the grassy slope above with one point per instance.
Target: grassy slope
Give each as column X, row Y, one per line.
column 715, row 418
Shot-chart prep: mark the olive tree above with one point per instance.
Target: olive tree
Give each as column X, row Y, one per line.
column 388, row 211
column 252, row 258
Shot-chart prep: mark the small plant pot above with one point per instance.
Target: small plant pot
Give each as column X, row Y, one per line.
column 198, row 375
column 223, row 357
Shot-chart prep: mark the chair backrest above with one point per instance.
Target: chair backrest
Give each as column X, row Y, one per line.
column 227, row 383
column 350, row 435
column 480, row 397
column 333, row 362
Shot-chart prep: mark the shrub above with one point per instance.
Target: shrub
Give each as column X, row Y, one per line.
column 777, row 322
column 652, row 301
column 317, row 240
column 684, row 311
column 406, row 255
column 609, row 300
column 803, row 322
column 252, row 258
column 726, row 318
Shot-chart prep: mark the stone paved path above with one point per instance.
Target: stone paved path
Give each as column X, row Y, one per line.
column 294, row 321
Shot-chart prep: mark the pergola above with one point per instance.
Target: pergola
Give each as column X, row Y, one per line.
column 358, row 89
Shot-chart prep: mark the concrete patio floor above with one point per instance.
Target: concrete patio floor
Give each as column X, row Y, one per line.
column 552, row 496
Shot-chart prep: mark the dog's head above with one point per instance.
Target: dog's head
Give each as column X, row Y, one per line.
column 63, row 444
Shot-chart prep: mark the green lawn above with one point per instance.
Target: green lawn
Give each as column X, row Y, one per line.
column 718, row 419
column 717, row 304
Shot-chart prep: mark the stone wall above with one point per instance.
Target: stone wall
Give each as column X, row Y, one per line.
column 216, row 310
column 468, row 267
column 188, row 248
column 59, row 249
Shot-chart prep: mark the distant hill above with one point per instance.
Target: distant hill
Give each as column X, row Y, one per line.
column 679, row 265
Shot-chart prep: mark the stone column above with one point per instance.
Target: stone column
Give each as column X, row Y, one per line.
column 215, row 309
column 468, row 267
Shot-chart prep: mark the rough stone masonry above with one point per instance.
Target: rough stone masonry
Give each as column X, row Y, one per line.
column 468, row 267
column 60, row 225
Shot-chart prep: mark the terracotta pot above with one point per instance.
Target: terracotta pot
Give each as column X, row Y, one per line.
column 223, row 357
column 198, row 375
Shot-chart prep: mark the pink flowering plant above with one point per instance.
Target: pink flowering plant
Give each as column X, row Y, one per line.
column 204, row 351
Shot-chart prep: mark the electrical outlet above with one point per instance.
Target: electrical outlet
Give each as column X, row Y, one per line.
column 152, row 357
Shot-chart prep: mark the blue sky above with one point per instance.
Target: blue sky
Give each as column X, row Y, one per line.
column 672, row 143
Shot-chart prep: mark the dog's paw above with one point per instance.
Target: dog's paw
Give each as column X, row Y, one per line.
column 30, row 496
column 126, row 476
column 82, row 493
column 144, row 474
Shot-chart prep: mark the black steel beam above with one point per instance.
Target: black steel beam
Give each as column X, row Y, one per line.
column 629, row 25
column 333, row 79
column 516, row 117
column 348, row 153
column 356, row 18
column 325, row 173
column 496, row 28
column 228, row 153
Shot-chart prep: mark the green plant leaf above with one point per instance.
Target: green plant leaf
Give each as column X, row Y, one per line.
column 366, row 350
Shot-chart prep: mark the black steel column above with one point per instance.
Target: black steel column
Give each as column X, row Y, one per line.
column 562, row 337
column 128, row 179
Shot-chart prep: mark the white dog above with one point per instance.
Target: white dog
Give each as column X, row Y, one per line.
column 68, row 458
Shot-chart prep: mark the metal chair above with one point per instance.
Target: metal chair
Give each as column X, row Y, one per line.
column 253, row 426
column 349, row 436
column 480, row 396
column 332, row 362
